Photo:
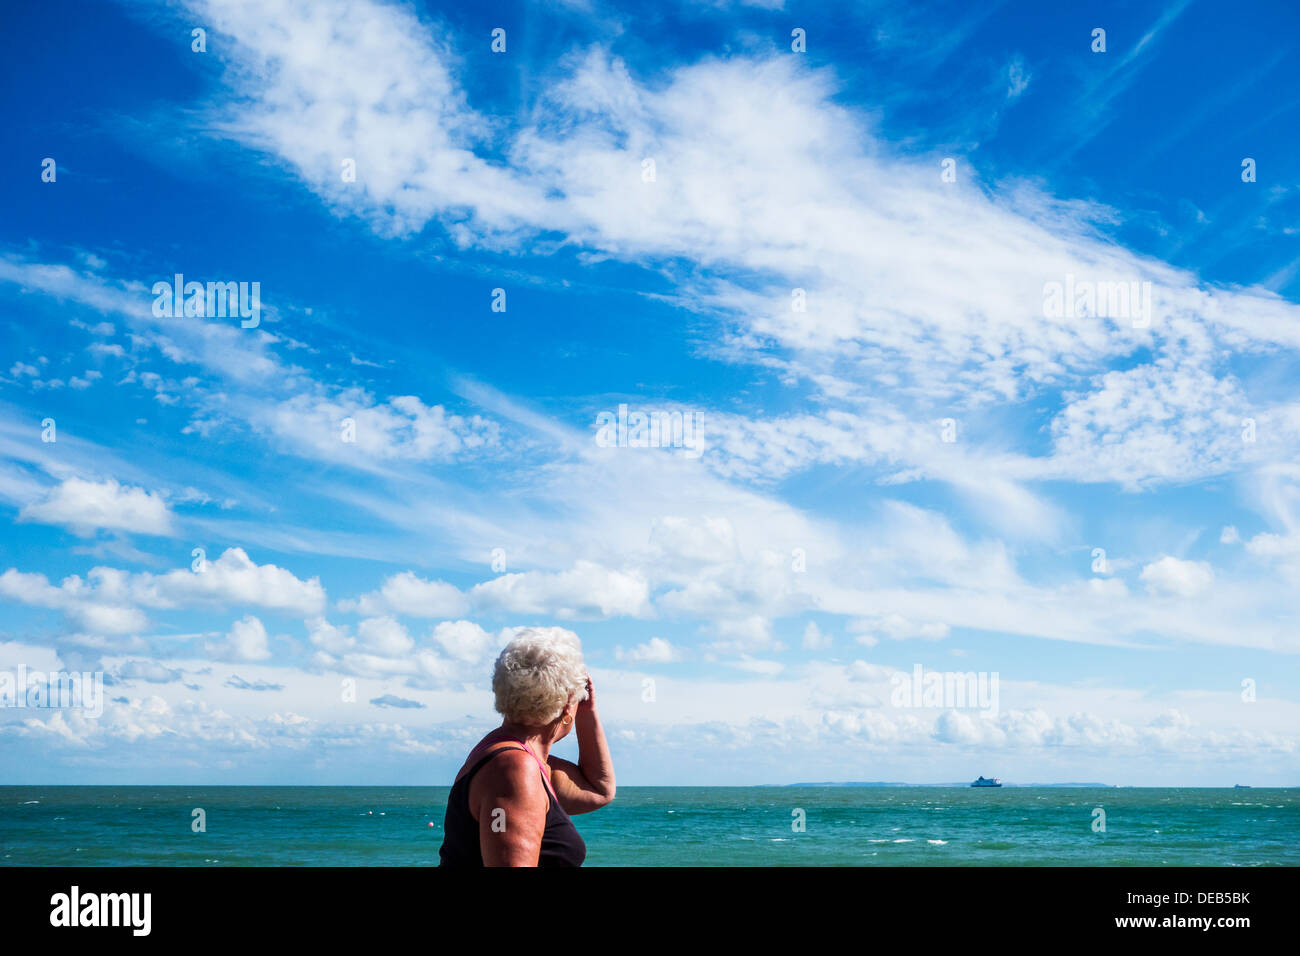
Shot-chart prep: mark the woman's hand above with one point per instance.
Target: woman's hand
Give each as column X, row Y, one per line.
column 588, row 784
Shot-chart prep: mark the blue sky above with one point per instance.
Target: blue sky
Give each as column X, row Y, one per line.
column 823, row 537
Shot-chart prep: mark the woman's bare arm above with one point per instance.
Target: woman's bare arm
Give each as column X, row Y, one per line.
column 510, row 801
column 589, row 784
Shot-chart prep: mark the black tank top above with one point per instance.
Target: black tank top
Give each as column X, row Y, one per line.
column 561, row 843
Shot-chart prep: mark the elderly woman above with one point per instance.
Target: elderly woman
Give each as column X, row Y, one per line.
column 511, row 800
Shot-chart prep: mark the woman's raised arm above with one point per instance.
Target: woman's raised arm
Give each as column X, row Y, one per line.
column 589, row 784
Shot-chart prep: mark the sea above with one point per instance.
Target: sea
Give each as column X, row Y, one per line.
column 664, row 826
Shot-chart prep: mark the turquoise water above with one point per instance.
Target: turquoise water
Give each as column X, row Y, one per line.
column 663, row 826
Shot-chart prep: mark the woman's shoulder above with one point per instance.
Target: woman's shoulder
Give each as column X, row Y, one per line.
column 494, row 757
column 511, row 770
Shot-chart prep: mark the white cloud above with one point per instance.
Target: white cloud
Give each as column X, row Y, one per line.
column 1017, row 78
column 1266, row 544
column 824, row 715
column 654, row 651
column 109, row 600
column 1169, row 420
column 1172, row 576
column 587, row 591
column 384, row 636
column 233, row 579
column 88, row 506
column 685, row 542
column 409, row 595
column 107, row 618
column 862, row 229
column 736, row 587
column 744, row 635
column 352, row 427
column 467, row 642
column 90, row 608
column 246, row 641
column 326, row 80
column 250, row 386
column 331, row 639
column 814, row 639
column 753, row 666
column 455, row 653
column 898, row 628
column 150, row 671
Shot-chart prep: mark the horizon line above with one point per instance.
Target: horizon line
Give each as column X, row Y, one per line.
column 704, row 786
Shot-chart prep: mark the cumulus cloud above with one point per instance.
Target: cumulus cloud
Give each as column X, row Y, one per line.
column 408, row 594
column 465, row 641
column 453, row 653
column 245, row 641
column 233, row 579
column 327, row 637
column 588, row 591
column 110, row 601
column 88, row 506
column 93, row 609
column 384, row 636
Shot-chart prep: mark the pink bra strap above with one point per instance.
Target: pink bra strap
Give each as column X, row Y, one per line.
column 546, row 777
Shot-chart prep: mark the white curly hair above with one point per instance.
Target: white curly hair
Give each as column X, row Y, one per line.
column 537, row 673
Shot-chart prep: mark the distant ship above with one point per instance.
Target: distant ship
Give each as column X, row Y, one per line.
column 1241, row 786
column 987, row 782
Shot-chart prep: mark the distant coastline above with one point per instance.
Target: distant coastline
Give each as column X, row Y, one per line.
column 890, row 783
column 1074, row 785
